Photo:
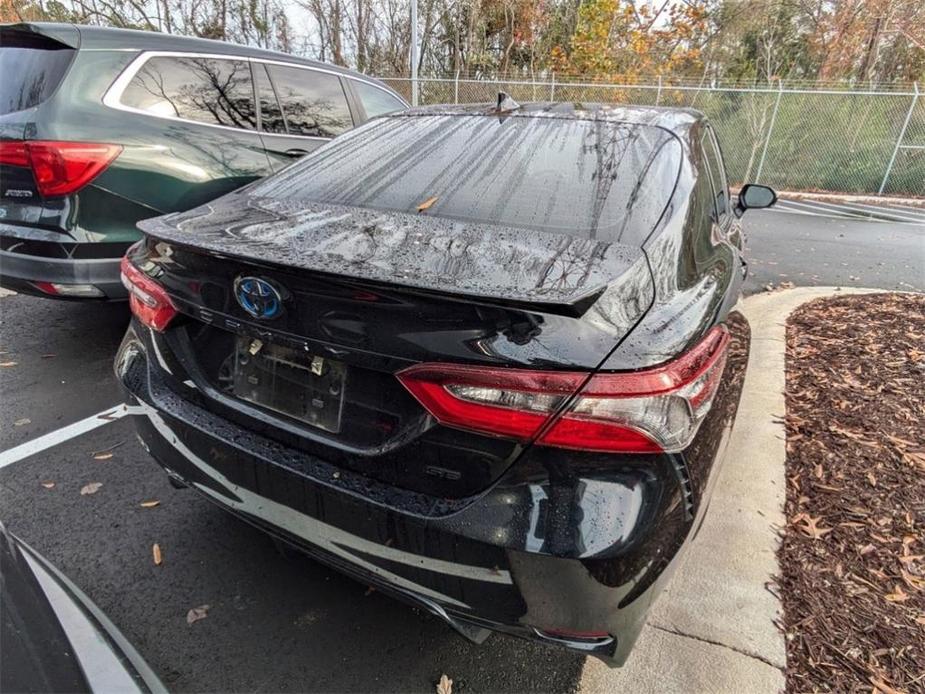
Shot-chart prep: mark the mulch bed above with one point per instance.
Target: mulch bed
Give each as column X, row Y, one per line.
column 853, row 551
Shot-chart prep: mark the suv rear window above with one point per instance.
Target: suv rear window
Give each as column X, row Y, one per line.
column 215, row 91
column 31, row 69
column 606, row 180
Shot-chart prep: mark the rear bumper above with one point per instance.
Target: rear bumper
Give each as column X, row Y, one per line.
column 25, row 262
column 573, row 560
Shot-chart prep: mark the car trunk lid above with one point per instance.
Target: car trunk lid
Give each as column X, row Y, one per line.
column 366, row 294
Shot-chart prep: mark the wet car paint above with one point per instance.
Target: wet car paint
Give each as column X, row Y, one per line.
column 54, row 638
column 542, row 539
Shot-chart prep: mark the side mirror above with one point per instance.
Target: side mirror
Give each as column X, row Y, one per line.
column 754, row 197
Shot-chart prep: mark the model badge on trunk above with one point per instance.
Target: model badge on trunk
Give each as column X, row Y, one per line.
column 259, row 297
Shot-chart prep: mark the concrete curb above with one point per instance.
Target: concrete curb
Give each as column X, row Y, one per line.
column 916, row 203
column 714, row 629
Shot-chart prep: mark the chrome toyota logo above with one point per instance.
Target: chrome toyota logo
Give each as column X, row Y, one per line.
column 260, row 298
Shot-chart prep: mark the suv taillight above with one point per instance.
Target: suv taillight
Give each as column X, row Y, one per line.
column 60, row 168
column 646, row 411
column 147, row 299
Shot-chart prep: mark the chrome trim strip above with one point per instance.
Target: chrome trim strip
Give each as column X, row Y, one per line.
column 113, row 96
column 325, row 536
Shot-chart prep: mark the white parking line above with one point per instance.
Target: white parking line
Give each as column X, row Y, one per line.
column 53, row 438
column 899, row 215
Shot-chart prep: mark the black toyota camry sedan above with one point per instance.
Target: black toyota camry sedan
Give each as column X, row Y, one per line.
column 485, row 359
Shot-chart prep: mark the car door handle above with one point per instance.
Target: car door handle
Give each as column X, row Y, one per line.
column 296, row 152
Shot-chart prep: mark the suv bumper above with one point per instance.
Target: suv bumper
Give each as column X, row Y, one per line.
column 570, row 560
column 32, row 260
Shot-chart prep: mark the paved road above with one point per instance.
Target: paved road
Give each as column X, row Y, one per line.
column 276, row 623
column 804, row 246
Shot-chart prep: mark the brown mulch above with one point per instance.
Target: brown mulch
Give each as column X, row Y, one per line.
column 853, row 551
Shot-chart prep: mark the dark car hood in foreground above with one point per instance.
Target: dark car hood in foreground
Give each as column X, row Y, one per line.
column 54, row 638
column 553, row 272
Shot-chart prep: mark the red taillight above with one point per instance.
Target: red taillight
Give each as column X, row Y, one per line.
column 147, row 299
column 514, row 403
column 60, row 168
column 13, row 153
column 645, row 411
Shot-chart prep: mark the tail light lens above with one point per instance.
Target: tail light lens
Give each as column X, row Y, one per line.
column 147, row 299
column 646, row 411
column 60, row 168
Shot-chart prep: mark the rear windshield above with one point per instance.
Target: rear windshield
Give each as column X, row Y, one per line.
column 30, row 69
column 595, row 179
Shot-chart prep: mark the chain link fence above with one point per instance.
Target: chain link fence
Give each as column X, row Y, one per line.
column 794, row 138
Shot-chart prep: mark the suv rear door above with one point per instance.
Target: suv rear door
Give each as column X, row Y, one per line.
column 197, row 136
column 301, row 108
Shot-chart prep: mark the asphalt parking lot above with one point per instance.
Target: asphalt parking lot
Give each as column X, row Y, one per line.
column 280, row 623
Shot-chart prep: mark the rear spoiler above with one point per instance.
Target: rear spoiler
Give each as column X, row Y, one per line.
column 479, row 263
column 574, row 306
column 68, row 35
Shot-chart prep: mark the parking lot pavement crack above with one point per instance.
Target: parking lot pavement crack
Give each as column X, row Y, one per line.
column 747, row 654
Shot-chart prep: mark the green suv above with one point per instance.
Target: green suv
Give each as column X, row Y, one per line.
column 101, row 128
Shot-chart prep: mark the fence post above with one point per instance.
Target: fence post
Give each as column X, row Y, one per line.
column 767, row 141
column 899, row 140
column 552, row 88
column 658, row 94
column 456, row 88
column 414, row 52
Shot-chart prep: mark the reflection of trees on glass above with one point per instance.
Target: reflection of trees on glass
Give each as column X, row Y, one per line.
column 271, row 117
column 29, row 93
column 313, row 102
column 28, row 75
column 200, row 89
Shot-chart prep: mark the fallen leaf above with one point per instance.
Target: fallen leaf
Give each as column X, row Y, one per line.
column 914, row 582
column 91, row 488
column 445, row 685
column 102, row 456
column 156, row 553
column 810, row 525
column 8, row 363
column 22, row 422
column 427, row 204
column 197, row 613
column 48, row 484
column 150, row 504
column 882, row 686
column 898, row 595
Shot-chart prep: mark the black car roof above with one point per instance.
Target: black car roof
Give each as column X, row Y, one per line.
column 108, row 38
column 676, row 120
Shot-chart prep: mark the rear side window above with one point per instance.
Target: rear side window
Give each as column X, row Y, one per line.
column 314, row 103
column 714, row 162
column 271, row 114
column 376, row 102
column 31, row 67
column 206, row 90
